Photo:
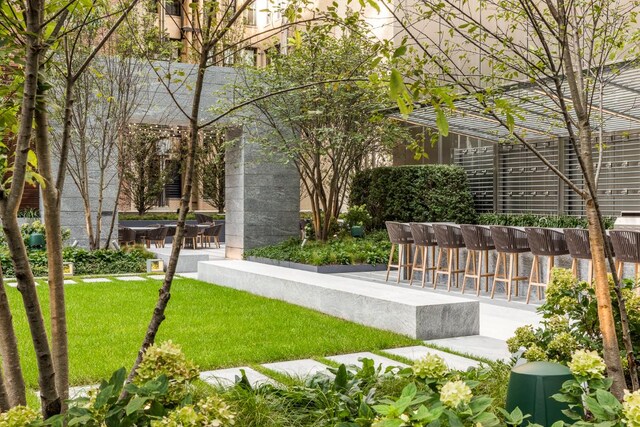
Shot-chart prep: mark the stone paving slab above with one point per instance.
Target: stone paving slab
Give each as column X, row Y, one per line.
column 298, row 368
column 130, row 278
column 353, row 359
column 69, row 282
column 96, row 280
column 12, row 284
column 81, row 391
column 156, row 276
column 477, row 345
column 227, row 377
column 419, row 352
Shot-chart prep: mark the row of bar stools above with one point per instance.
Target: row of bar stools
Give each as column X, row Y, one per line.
column 400, row 237
column 450, row 241
column 478, row 242
column 424, row 238
column 512, row 242
column 548, row 243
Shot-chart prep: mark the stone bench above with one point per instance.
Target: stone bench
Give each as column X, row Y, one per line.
column 410, row 312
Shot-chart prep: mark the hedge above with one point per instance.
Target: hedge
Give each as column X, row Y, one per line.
column 429, row 193
column 102, row 261
column 531, row 220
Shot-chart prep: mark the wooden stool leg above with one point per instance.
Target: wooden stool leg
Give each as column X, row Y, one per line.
column 393, row 249
column 510, row 277
column 401, row 254
column 433, row 260
column 425, row 265
column 449, row 268
column 574, row 267
column 415, row 259
column 533, row 277
column 479, row 285
column 466, row 271
column 486, row 270
column 495, row 275
column 436, row 271
column 517, row 273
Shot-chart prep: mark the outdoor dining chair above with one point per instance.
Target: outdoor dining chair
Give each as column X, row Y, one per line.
column 579, row 248
column 512, row 242
column 211, row 233
column 400, row 237
column 477, row 239
column 126, row 236
column 626, row 245
column 156, row 236
column 543, row 242
column 450, row 241
column 204, row 219
column 191, row 235
column 423, row 238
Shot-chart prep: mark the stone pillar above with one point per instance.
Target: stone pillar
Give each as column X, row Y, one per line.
column 262, row 198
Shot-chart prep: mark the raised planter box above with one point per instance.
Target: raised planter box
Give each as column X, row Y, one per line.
column 324, row 269
column 146, row 222
column 418, row 314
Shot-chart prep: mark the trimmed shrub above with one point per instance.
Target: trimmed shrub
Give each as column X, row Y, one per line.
column 531, row 220
column 429, row 193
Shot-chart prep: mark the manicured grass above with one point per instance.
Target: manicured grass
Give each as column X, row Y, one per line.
column 216, row 327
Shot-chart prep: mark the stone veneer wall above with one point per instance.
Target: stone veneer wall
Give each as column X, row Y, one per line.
column 262, row 198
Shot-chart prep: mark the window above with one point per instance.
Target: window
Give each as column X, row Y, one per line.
column 249, row 56
column 228, row 57
column 173, row 7
column 250, row 15
column 272, row 51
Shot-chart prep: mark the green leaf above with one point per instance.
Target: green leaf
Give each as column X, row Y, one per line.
column 103, row 396
column 374, row 4
column 396, row 85
column 442, row 123
column 400, row 51
column 135, row 404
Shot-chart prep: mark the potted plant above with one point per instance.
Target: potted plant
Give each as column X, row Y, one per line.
column 357, row 219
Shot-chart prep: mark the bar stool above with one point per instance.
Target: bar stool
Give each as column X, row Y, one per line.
column 543, row 242
column 423, row 238
column 579, row 248
column 449, row 237
column 509, row 241
column 626, row 245
column 400, row 236
column 477, row 239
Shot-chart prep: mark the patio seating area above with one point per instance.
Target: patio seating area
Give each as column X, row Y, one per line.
column 203, row 235
column 522, row 255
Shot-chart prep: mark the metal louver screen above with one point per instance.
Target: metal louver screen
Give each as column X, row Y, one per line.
column 523, row 184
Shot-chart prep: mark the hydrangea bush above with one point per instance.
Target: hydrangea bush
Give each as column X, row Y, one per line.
column 19, row 416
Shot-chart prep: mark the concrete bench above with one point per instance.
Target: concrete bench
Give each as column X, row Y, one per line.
column 409, row 312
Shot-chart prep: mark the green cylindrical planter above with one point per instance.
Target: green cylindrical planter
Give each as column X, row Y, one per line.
column 530, row 388
column 357, row 231
column 36, row 240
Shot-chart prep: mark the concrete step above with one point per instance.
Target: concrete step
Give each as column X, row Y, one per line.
column 227, row 377
column 420, row 352
column 476, row 345
column 299, row 369
column 354, row 359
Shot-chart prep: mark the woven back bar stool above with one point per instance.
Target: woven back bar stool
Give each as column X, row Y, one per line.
column 450, row 241
column 626, row 245
column 579, row 248
column 512, row 242
column 543, row 242
column 400, row 237
column 478, row 241
column 423, row 238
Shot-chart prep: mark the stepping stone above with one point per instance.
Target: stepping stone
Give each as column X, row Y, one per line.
column 69, row 282
column 131, row 278
column 12, row 284
column 301, row 369
column 418, row 352
column 81, row 391
column 477, row 345
column 96, row 280
column 353, row 359
column 227, row 377
column 156, row 276
column 189, row 275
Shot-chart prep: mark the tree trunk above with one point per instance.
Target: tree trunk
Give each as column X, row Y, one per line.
column 164, row 294
column 50, row 401
column 53, row 230
column 13, row 379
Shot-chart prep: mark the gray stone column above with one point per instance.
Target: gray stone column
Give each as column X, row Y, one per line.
column 262, row 199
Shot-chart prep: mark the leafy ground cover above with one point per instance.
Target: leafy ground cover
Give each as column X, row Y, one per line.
column 102, row 261
column 161, row 216
column 216, row 327
column 344, row 250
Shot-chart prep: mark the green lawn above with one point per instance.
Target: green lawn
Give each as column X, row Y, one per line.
column 216, row 327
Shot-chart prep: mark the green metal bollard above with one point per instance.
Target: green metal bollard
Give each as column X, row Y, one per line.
column 36, row 240
column 530, row 388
